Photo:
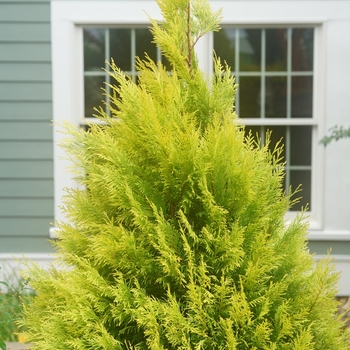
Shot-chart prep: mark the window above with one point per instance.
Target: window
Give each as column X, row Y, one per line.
column 274, row 70
column 123, row 44
column 329, row 24
column 276, row 90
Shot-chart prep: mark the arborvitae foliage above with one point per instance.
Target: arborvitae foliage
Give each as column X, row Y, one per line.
column 177, row 238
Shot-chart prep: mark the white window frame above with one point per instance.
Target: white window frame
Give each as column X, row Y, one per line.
column 69, row 17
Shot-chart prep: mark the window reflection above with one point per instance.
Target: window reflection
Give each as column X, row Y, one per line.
column 120, row 48
column 249, row 97
column 300, row 145
column 249, row 50
column 297, row 142
column 276, row 49
column 303, row 178
column 225, row 45
column 121, row 44
column 301, row 97
column 276, row 97
column 144, row 44
column 302, row 49
column 94, row 48
column 93, row 93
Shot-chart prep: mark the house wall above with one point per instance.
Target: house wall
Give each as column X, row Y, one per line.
column 26, row 148
column 26, row 141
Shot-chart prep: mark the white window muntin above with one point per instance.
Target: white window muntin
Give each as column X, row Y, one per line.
column 136, row 45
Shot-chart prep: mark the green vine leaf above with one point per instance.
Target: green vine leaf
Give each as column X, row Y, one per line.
column 2, row 345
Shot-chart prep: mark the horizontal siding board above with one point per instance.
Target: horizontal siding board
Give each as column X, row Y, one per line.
column 25, row 72
column 25, row 91
column 26, row 131
column 19, row 227
column 25, row 245
column 25, row 1
column 34, row 207
column 323, row 247
column 26, row 169
column 22, row 12
column 35, row 150
column 21, row 111
column 26, row 32
column 26, row 188
column 25, row 52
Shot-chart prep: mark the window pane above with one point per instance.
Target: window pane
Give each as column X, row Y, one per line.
column 94, row 48
column 93, row 93
column 120, row 47
column 301, row 177
column 249, row 50
column 267, row 73
column 256, row 131
column 293, row 177
column 144, row 44
column 225, row 46
column 275, row 97
column 302, row 49
column 276, row 49
column 301, row 97
column 300, row 147
column 249, row 97
column 278, row 133
column 166, row 63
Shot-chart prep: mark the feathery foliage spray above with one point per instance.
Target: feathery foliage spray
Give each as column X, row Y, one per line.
column 177, row 239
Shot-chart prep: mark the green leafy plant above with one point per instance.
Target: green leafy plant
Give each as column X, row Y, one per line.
column 2, row 321
column 13, row 294
column 336, row 133
column 177, row 237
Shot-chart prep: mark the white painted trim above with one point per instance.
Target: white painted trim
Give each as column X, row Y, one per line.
column 342, row 264
column 318, row 235
column 336, row 258
column 317, row 161
column 12, row 264
column 53, row 232
column 279, row 121
column 40, row 257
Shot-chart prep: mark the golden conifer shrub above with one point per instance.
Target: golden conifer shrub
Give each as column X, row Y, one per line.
column 176, row 238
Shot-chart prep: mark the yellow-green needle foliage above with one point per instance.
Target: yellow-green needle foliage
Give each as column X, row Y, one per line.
column 176, row 238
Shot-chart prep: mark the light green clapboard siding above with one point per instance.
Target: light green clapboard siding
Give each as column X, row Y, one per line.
column 25, row 91
column 323, row 247
column 26, row 244
column 26, row 130
column 24, row 12
column 25, row 52
column 27, row 32
column 25, row 227
column 25, row 111
column 26, row 207
column 26, row 148
column 26, row 169
column 22, row 188
column 25, row 72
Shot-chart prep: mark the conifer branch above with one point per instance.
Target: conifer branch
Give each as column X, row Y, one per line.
column 315, row 301
column 189, row 46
